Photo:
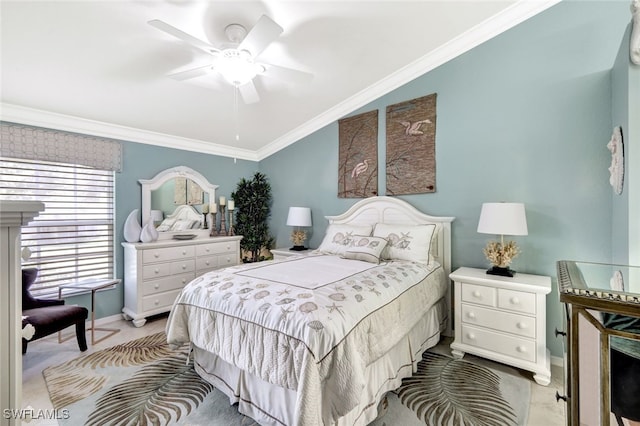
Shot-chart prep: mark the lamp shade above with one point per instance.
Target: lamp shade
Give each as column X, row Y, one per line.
column 299, row 216
column 503, row 219
column 156, row 215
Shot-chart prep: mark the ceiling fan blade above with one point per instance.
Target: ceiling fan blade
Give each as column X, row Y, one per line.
column 192, row 73
column 261, row 35
column 249, row 93
column 188, row 38
column 287, row 74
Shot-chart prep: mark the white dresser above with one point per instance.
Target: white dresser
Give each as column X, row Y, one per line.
column 154, row 273
column 503, row 319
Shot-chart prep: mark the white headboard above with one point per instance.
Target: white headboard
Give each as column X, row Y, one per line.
column 383, row 209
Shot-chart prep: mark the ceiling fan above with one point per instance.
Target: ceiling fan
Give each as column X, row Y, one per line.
column 238, row 62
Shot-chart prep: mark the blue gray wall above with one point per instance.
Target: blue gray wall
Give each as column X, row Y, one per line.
column 525, row 117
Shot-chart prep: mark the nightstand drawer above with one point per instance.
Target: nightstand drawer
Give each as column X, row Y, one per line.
column 497, row 320
column 517, row 301
column 478, row 294
column 499, row 343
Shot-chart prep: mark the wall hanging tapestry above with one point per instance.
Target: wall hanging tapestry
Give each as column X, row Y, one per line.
column 358, row 156
column 411, row 146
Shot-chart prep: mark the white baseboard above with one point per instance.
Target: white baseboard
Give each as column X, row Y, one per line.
column 557, row 361
column 104, row 320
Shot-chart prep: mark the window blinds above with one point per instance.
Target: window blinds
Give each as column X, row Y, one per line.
column 73, row 238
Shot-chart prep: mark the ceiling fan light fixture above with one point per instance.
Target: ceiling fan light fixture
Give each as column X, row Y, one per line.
column 237, row 67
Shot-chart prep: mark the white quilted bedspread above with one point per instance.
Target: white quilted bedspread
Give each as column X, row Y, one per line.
column 311, row 324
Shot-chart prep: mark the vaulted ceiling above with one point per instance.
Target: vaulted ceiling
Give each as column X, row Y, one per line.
column 98, row 67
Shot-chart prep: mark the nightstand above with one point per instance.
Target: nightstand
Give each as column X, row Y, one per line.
column 282, row 252
column 502, row 319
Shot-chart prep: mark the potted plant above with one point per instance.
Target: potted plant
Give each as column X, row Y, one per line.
column 253, row 206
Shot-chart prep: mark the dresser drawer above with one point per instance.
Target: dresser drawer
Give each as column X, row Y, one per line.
column 165, row 284
column 227, row 260
column 156, row 271
column 183, row 266
column 168, row 253
column 206, row 263
column 511, row 346
column 158, row 301
column 216, row 248
column 478, row 294
column 518, row 301
column 497, row 320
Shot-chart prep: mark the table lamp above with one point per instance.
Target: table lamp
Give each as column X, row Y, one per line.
column 299, row 217
column 502, row 219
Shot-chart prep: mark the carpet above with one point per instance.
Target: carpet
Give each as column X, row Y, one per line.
column 144, row 382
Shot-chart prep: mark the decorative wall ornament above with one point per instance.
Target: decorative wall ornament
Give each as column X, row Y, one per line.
column 411, row 146
column 634, row 41
column 132, row 228
column 616, row 169
column 358, row 156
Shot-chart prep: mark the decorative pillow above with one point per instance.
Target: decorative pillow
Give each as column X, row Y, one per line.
column 406, row 242
column 338, row 237
column 366, row 248
column 183, row 225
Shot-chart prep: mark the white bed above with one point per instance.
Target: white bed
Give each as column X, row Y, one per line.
column 320, row 339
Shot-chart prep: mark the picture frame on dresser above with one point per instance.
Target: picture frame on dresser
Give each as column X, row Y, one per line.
column 502, row 319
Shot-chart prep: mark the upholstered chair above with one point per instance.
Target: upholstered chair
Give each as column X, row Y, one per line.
column 49, row 316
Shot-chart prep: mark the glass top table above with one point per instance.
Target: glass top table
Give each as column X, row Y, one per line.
column 595, row 284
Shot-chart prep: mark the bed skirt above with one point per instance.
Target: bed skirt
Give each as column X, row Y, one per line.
column 269, row 404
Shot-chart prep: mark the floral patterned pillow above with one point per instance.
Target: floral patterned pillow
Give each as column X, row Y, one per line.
column 365, row 248
column 339, row 237
column 407, row 242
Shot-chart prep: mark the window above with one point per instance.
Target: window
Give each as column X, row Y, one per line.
column 73, row 238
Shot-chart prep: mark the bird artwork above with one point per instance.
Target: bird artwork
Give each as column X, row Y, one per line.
column 413, row 129
column 359, row 168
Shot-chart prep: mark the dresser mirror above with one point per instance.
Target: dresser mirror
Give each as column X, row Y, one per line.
column 181, row 194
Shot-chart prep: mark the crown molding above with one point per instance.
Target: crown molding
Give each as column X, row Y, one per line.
column 497, row 24
column 51, row 120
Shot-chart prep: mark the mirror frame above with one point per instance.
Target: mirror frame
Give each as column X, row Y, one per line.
column 149, row 185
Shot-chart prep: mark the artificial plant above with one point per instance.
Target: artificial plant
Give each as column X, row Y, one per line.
column 253, row 207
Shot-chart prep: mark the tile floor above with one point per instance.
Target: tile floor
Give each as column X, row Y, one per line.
column 544, row 410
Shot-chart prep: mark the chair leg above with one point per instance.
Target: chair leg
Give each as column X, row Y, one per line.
column 25, row 342
column 81, row 335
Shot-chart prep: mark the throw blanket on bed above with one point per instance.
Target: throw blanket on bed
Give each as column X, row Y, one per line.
column 306, row 323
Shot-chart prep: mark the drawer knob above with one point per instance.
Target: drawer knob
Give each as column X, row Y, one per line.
column 156, row 255
column 207, row 263
column 157, row 286
column 157, row 271
column 207, row 250
column 184, row 252
column 471, row 336
column 515, row 300
column 521, row 325
column 156, row 302
column 476, row 293
column 471, row 315
column 184, row 266
column 521, row 349
column 184, row 281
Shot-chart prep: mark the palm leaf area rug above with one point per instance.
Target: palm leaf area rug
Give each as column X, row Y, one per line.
column 144, row 382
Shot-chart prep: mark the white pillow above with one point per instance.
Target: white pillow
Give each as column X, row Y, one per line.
column 338, row 237
column 406, row 242
column 365, row 248
column 183, row 225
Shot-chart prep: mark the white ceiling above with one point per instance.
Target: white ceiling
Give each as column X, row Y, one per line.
column 97, row 67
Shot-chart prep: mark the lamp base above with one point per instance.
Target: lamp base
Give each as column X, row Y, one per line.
column 298, row 248
column 503, row 272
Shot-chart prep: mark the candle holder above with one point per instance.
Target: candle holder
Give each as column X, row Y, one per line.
column 231, row 232
column 204, row 223
column 223, row 225
column 213, row 232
